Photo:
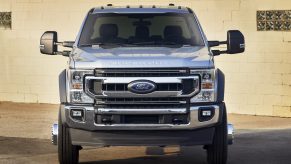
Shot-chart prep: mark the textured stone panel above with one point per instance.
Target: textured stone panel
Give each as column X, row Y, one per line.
column 5, row 20
column 274, row 20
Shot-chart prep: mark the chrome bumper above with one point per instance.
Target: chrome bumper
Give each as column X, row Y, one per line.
column 90, row 112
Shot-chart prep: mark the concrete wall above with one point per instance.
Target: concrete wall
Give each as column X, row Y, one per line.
column 258, row 82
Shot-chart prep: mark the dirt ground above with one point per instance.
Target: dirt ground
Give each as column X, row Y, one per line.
column 25, row 138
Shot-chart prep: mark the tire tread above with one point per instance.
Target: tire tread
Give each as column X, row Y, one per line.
column 217, row 152
column 68, row 153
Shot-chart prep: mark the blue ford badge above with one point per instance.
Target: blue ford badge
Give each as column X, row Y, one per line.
column 142, row 86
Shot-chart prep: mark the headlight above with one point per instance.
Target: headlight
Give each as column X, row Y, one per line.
column 208, row 88
column 76, row 92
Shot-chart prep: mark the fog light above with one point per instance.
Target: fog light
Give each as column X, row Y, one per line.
column 206, row 113
column 77, row 114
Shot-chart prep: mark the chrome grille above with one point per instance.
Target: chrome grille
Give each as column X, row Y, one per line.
column 109, row 87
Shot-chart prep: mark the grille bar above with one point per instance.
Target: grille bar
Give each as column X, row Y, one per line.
column 142, row 111
column 141, row 106
column 160, row 87
column 143, row 72
column 166, row 100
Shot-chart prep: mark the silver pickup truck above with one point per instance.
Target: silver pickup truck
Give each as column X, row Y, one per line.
column 142, row 76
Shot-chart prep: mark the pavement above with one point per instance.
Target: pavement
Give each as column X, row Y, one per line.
column 25, row 138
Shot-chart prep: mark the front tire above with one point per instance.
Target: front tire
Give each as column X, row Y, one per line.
column 217, row 151
column 68, row 153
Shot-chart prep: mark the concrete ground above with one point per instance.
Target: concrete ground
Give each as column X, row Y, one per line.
column 25, row 138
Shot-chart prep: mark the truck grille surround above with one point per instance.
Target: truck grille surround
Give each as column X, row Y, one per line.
column 174, row 86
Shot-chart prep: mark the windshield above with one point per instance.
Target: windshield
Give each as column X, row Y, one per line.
column 154, row 29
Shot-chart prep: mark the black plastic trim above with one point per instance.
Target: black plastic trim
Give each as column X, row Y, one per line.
column 202, row 136
column 63, row 86
column 189, row 10
column 220, row 86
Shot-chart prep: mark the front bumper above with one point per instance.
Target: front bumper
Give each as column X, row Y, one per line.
column 89, row 133
column 202, row 136
column 89, row 122
column 160, row 138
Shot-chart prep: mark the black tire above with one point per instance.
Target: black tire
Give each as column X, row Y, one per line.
column 217, row 151
column 68, row 153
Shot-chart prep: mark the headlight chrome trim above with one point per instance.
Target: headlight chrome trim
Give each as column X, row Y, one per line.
column 213, row 80
column 70, row 82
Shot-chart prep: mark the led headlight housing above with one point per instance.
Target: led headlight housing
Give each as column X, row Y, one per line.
column 75, row 88
column 208, row 86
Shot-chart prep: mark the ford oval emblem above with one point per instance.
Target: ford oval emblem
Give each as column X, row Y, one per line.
column 142, row 86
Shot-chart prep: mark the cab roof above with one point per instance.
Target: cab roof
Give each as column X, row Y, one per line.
column 141, row 9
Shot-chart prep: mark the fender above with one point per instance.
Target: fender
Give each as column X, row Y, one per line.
column 220, row 85
column 62, row 87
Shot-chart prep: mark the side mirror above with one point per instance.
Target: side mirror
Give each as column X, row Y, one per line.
column 235, row 43
column 48, row 43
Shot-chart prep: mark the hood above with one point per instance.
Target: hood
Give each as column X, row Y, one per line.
column 141, row 57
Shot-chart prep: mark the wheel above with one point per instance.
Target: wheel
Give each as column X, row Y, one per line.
column 217, row 151
column 68, row 153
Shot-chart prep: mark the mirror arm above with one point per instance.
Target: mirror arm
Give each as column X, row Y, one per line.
column 64, row 53
column 223, row 42
column 213, row 43
column 68, row 44
column 218, row 52
column 58, row 43
column 216, row 43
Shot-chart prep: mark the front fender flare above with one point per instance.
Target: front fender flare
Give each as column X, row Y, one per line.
column 63, row 86
column 220, row 85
